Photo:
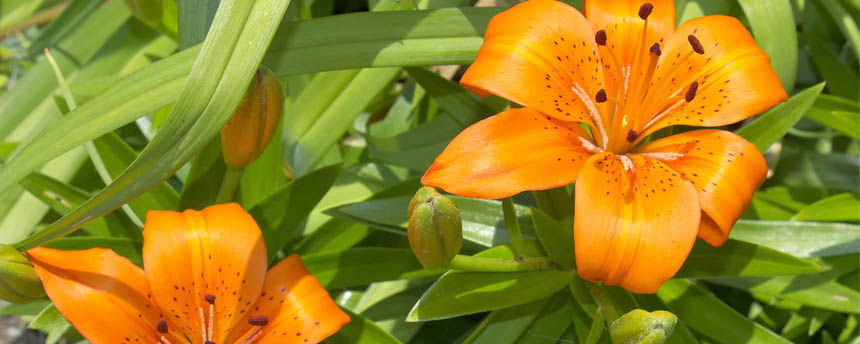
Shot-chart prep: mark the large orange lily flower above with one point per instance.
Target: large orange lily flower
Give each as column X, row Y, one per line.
column 623, row 72
column 204, row 281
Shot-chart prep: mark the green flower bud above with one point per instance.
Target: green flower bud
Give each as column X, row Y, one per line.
column 253, row 124
column 435, row 228
column 18, row 280
column 641, row 327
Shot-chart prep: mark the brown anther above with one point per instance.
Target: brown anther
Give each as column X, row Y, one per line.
column 645, row 10
column 161, row 327
column 210, row 298
column 632, row 135
column 209, row 342
column 697, row 47
column 601, row 96
column 656, row 49
column 258, row 321
column 600, row 37
column 691, row 92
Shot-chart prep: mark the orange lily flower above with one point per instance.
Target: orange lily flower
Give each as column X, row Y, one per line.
column 624, row 72
column 204, row 281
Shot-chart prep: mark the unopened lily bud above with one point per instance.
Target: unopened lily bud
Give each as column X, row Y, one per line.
column 435, row 229
column 641, row 327
column 20, row 283
column 253, row 124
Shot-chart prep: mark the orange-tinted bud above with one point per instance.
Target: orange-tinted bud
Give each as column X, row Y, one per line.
column 435, row 229
column 253, row 124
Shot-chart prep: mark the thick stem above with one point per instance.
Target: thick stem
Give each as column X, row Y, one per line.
column 512, row 226
column 603, row 302
column 232, row 177
column 472, row 263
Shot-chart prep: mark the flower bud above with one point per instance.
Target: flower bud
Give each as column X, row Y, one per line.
column 253, row 124
column 435, row 229
column 641, row 327
column 20, row 283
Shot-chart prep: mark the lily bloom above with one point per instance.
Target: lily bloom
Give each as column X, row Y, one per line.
column 204, row 281
column 623, row 72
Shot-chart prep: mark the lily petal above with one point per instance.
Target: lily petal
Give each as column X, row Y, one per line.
column 733, row 76
column 103, row 295
column 218, row 252
column 296, row 307
column 633, row 226
column 726, row 170
column 540, row 54
column 513, row 151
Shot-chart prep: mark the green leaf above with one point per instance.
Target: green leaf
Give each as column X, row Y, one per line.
column 841, row 80
column 808, row 169
column 459, row 293
column 51, row 322
column 846, row 24
column 815, row 290
column 334, row 235
column 281, row 214
column 204, row 105
column 361, row 330
column 506, row 324
column 483, row 220
column 265, row 175
column 772, row 23
column 365, row 265
column 837, row 113
column 738, row 258
column 62, row 198
column 386, row 302
column 463, row 105
column 705, row 313
column 556, row 239
column 773, row 124
column 800, row 239
column 552, row 322
column 841, row 207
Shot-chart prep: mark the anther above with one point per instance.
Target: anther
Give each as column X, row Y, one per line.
column 601, row 96
column 600, row 37
column 210, row 298
column 656, row 49
column 691, row 92
column 697, row 47
column 645, row 10
column 209, row 342
column 632, row 135
column 258, row 321
column 161, row 327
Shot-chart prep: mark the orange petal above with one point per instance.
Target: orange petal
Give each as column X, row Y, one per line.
column 296, row 307
column 734, row 77
column 513, row 151
column 541, row 54
column 103, row 295
column 726, row 170
column 218, row 251
column 632, row 228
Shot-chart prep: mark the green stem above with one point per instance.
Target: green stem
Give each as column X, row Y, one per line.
column 604, row 304
column 596, row 327
column 472, row 263
column 232, row 177
column 512, row 226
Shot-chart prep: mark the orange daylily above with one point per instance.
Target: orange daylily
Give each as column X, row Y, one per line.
column 624, row 72
column 204, row 281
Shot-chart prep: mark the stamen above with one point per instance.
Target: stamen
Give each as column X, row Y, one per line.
column 210, row 298
column 628, row 164
column 600, row 37
column 697, row 47
column 691, row 92
column 258, row 321
column 590, row 147
column 661, row 115
column 592, row 110
column 161, row 327
column 668, row 156
column 210, row 330
column 645, row 10
column 165, row 340
column 601, row 96
column 253, row 336
column 655, row 49
column 209, row 342
column 202, row 323
column 632, row 135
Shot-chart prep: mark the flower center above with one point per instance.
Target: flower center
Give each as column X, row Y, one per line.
column 625, row 99
column 207, row 322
